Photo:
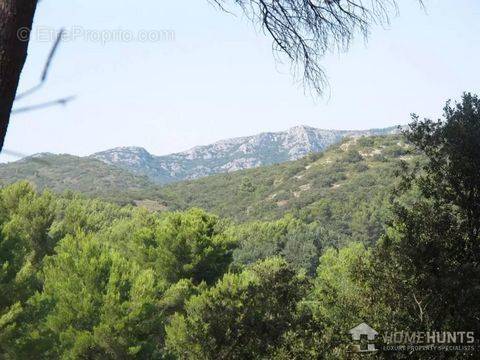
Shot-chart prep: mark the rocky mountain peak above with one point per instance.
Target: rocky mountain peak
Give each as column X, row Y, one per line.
column 230, row 154
column 124, row 156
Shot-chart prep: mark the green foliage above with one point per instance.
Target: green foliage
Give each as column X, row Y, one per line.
column 298, row 243
column 25, row 219
column 352, row 156
column 352, row 182
column 85, row 279
column 364, row 167
column 431, row 254
column 247, row 186
column 245, row 314
column 99, row 304
column 191, row 246
column 340, row 299
column 66, row 173
column 24, row 240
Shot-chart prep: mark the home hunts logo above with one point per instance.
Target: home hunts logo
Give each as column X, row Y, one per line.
column 367, row 340
column 363, row 332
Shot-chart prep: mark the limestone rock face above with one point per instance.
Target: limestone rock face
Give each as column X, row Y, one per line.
column 231, row 154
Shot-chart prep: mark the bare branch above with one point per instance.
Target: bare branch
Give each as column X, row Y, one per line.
column 305, row 30
column 421, row 308
column 62, row 101
column 46, row 68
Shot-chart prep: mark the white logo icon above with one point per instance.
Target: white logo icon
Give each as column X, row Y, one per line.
column 365, row 332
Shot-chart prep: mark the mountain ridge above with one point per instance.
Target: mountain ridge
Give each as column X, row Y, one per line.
column 230, row 155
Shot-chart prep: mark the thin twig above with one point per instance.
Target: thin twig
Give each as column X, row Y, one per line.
column 46, row 68
column 62, row 101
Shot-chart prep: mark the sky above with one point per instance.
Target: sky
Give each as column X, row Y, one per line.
column 205, row 75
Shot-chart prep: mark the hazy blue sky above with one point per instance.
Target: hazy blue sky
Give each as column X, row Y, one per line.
column 218, row 79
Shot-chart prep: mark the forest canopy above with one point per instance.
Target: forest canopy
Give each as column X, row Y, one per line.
column 87, row 279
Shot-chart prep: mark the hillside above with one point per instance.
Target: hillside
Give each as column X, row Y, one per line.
column 88, row 176
column 230, row 155
column 344, row 189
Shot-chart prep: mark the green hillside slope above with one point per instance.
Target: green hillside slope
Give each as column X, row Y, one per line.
column 88, row 176
column 344, row 189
